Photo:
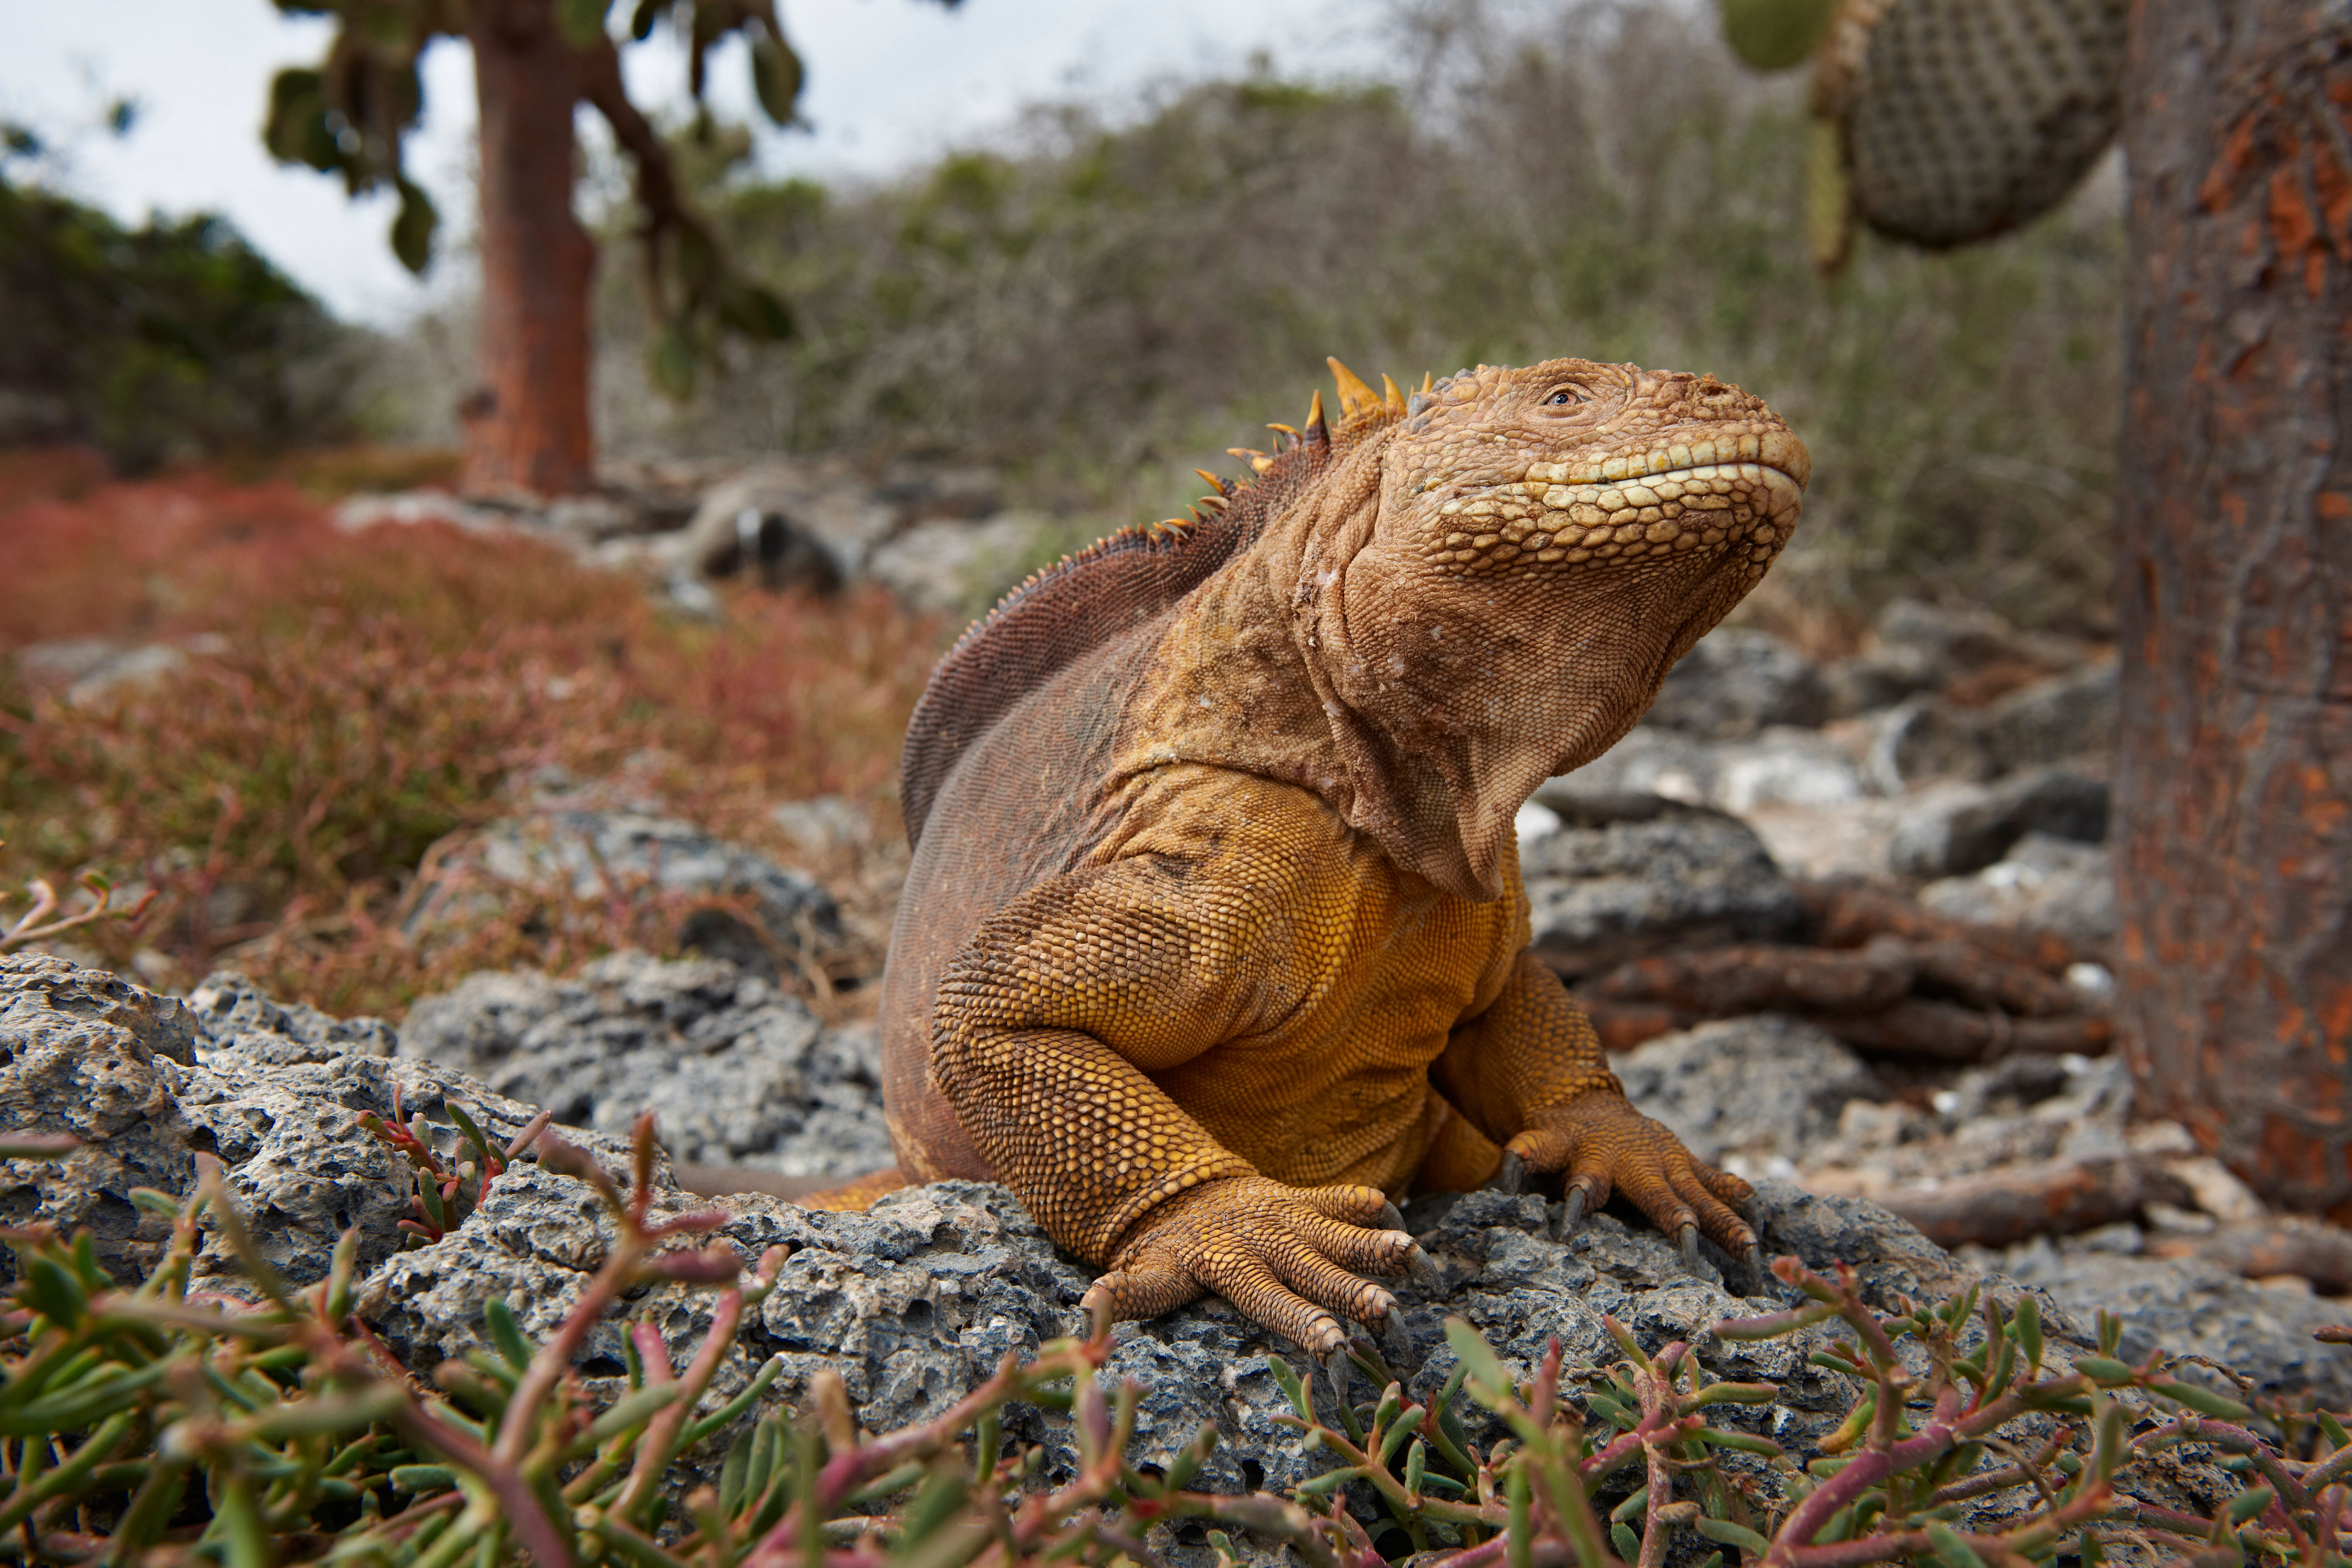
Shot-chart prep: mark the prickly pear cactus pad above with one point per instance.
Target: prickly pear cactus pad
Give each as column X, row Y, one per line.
column 1956, row 120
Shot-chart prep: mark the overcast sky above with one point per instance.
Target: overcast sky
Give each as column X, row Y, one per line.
column 890, row 82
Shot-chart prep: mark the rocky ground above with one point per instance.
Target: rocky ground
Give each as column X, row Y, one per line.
column 915, row 1302
column 1845, row 925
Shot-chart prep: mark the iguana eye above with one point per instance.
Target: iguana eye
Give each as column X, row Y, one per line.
column 1563, row 396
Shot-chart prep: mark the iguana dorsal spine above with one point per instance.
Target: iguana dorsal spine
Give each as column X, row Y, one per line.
column 1106, row 590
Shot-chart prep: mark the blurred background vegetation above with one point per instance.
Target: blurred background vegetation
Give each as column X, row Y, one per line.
column 1092, row 303
column 1103, row 298
column 172, row 339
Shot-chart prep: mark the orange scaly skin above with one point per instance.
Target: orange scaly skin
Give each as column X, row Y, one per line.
column 1214, row 940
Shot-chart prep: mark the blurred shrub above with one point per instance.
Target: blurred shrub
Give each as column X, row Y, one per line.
column 349, row 698
column 1098, row 295
column 169, row 340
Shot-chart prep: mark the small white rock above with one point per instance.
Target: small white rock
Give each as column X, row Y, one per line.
column 1535, row 820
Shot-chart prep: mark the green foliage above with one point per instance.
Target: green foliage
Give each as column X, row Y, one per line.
column 164, row 341
column 1773, row 35
column 351, row 114
column 133, row 1419
column 776, row 77
column 44, row 923
column 439, row 1202
column 1094, row 297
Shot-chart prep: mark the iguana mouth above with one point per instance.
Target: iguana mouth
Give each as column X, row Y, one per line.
column 1675, row 501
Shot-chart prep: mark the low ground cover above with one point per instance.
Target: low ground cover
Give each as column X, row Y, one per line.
column 343, row 701
column 160, row 1424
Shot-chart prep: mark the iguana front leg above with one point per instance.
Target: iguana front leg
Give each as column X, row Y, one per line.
column 1046, row 1027
column 1530, row 1073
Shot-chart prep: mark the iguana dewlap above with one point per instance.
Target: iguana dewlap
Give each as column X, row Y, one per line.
column 1213, row 939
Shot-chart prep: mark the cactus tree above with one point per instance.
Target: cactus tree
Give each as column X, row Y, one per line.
column 526, row 425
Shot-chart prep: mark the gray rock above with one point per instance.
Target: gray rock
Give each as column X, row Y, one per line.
column 1785, row 768
column 2044, row 883
column 1754, row 1087
column 817, row 522
column 2187, row 1306
column 1736, row 681
column 1921, row 740
column 1629, row 874
column 89, row 671
column 1951, row 640
column 770, row 546
column 591, row 518
column 916, row 1301
column 2072, row 715
column 2088, row 1098
column 65, row 660
column 1879, row 678
column 736, row 1072
column 828, row 505
column 86, row 1053
column 48, row 1004
column 299, row 1167
column 2069, row 718
column 1782, row 765
column 591, row 853
column 1968, row 828
column 359, row 512
column 959, row 566
column 1650, row 761
column 824, row 822
column 2022, row 1110
column 274, row 1092
column 240, row 1023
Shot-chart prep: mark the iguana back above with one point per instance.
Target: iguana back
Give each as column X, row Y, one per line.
column 1016, row 727
column 1088, row 601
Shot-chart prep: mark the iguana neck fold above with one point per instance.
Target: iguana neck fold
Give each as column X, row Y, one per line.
column 1261, row 672
column 1442, row 603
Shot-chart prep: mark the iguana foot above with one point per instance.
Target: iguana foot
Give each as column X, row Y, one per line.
column 1602, row 1144
column 1286, row 1257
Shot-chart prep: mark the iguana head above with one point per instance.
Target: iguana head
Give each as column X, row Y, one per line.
column 1507, row 566
column 1422, row 612
column 1588, row 522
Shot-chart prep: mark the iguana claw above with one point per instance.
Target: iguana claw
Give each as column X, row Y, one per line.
column 1335, row 1368
column 1396, row 1339
column 1392, row 1217
column 1572, row 1214
column 1424, row 1272
column 1511, row 1175
column 1754, row 1259
column 1690, row 1243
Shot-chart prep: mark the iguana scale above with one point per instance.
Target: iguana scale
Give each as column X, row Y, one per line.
column 1214, row 940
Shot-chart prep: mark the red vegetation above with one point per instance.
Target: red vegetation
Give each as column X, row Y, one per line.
column 350, row 698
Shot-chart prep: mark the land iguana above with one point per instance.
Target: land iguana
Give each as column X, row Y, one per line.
column 1213, row 942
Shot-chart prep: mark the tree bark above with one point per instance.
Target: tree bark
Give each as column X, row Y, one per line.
column 2234, row 789
column 526, row 425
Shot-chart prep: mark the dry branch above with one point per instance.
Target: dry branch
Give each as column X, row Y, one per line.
column 1756, row 977
column 1945, row 996
column 2319, row 1253
column 1955, row 1034
column 2055, row 1198
column 1844, row 915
